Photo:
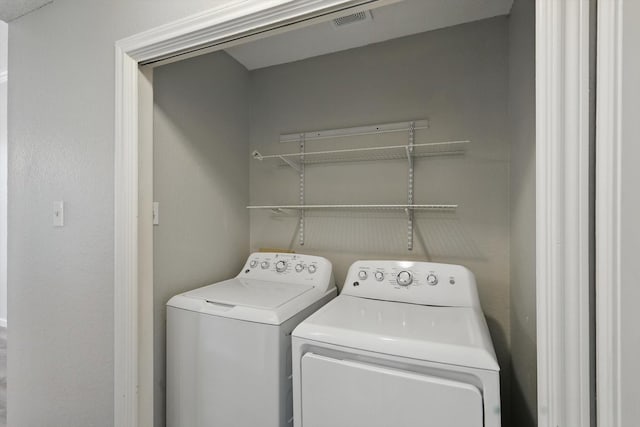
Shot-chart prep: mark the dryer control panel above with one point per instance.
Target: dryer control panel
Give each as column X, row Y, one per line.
column 413, row 282
column 288, row 268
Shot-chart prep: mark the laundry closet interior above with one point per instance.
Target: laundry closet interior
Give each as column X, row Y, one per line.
column 405, row 132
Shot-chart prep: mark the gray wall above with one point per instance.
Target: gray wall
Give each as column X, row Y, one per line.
column 201, row 180
column 522, row 209
column 61, row 133
column 458, row 78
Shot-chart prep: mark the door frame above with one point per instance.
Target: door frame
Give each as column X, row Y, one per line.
column 562, row 194
column 563, row 208
column 4, row 167
column 609, row 268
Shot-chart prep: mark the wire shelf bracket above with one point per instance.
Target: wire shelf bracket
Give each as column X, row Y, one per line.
column 410, row 187
column 301, row 196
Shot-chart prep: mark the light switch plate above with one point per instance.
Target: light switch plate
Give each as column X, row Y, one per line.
column 58, row 214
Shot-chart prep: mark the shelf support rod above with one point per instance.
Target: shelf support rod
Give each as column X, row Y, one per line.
column 301, row 200
column 291, row 163
column 412, row 132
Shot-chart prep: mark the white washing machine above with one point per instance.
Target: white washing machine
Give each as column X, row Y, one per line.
column 229, row 344
column 404, row 345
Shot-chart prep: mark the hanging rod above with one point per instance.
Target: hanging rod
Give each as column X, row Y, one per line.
column 398, row 207
column 355, row 131
column 388, row 152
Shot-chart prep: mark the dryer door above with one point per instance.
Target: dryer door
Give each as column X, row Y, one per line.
column 341, row 393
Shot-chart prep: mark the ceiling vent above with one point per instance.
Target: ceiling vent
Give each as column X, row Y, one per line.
column 343, row 21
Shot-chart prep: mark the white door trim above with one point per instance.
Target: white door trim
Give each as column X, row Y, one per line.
column 562, row 169
column 608, row 212
column 4, row 82
column 562, row 212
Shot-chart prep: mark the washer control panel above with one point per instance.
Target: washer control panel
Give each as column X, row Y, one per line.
column 413, row 282
column 287, row 268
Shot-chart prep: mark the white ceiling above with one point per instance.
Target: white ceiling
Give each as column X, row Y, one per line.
column 389, row 22
column 12, row 9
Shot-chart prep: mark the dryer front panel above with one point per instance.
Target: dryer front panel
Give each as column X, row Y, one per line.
column 345, row 393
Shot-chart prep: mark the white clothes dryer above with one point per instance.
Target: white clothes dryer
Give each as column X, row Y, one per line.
column 404, row 345
column 229, row 344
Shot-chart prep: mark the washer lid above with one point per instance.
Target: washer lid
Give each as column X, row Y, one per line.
column 250, row 293
column 449, row 335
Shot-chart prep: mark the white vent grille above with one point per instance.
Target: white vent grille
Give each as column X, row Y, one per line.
column 352, row 19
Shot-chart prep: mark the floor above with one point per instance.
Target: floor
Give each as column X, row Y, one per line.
column 3, row 377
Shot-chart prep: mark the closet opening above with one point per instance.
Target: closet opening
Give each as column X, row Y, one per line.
column 400, row 130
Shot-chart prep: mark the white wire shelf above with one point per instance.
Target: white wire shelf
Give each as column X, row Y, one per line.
column 390, row 152
column 374, row 152
column 349, row 207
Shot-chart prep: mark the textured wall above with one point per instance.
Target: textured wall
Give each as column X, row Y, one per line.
column 201, row 180
column 522, row 121
column 457, row 77
column 61, row 133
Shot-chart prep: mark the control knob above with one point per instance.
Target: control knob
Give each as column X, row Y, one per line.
column 405, row 278
column 264, row 265
column 312, row 269
column 281, row 266
column 253, row 263
column 379, row 275
column 362, row 275
column 299, row 268
column 432, row 279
